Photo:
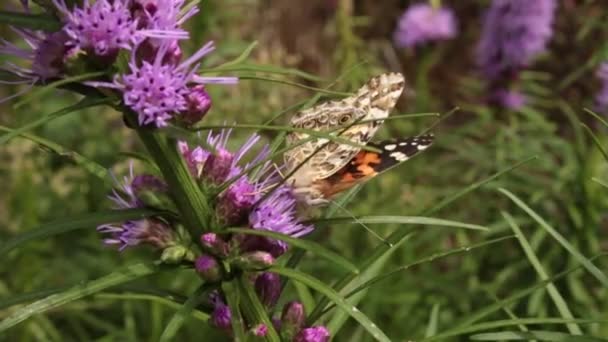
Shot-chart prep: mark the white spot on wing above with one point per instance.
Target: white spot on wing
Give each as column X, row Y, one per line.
column 422, row 147
column 399, row 156
column 403, row 144
column 390, row 147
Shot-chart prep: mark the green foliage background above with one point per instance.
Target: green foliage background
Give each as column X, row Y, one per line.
column 351, row 42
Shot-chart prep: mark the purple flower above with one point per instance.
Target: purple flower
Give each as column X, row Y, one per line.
column 260, row 330
column 161, row 15
column 221, row 317
column 46, row 54
column 511, row 99
column 106, row 26
column 125, row 196
column 195, row 158
column 268, row 288
column 601, row 99
column 133, row 233
column 235, row 203
column 421, row 23
column 208, row 268
column 198, row 102
column 293, row 318
column 276, row 213
column 514, row 32
column 313, row 334
column 214, row 244
column 157, row 91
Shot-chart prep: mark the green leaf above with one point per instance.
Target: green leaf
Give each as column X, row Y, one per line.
column 310, row 246
column 507, row 323
column 79, row 291
column 89, row 165
column 254, row 309
column 319, row 286
column 431, row 328
column 85, row 221
column 86, row 102
column 180, row 317
column 30, row 21
column 240, row 59
column 269, row 69
column 233, row 297
column 596, row 272
column 295, row 84
column 557, row 298
column 417, row 220
column 534, row 335
column 49, row 87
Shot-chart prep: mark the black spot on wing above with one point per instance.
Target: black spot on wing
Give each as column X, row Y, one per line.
column 397, row 151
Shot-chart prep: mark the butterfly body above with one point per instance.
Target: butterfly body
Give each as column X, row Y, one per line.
column 320, row 168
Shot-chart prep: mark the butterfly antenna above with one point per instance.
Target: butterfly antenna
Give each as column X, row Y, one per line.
column 374, row 234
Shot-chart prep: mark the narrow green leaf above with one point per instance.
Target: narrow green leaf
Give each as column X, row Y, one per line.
column 310, row 246
column 180, row 317
column 28, row 297
column 600, row 182
column 417, row 220
column 79, row 291
column 240, row 59
column 49, row 87
column 319, row 286
column 269, row 69
column 190, row 200
column 553, row 336
column 30, row 21
column 233, row 297
column 431, row 328
column 596, row 272
column 596, row 141
column 86, row 102
column 85, row 221
column 89, row 165
column 254, row 309
column 557, row 298
column 598, row 117
column 295, row 84
column 507, row 323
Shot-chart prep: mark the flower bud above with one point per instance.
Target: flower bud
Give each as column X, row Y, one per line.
column 208, row 268
column 221, row 317
column 174, row 254
column 214, row 244
column 235, row 203
column 198, row 102
column 260, row 330
column 292, row 319
column 255, row 261
column 313, row 334
column 268, row 288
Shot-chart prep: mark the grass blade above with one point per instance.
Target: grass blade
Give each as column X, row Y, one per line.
column 254, row 309
column 180, row 317
column 310, row 246
column 233, row 297
column 75, row 222
column 334, row 297
column 431, row 329
column 79, row 291
column 49, row 87
column 557, row 298
column 30, row 21
column 416, row 220
column 596, row 272
column 537, row 335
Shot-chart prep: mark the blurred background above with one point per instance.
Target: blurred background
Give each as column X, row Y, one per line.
column 343, row 43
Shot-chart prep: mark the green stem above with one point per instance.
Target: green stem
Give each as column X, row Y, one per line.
column 189, row 199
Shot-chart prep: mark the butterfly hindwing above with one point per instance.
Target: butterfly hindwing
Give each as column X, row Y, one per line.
column 367, row 164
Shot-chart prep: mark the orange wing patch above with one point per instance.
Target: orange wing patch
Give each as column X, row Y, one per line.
column 361, row 168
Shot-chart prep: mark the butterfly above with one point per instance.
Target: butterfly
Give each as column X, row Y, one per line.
column 320, row 168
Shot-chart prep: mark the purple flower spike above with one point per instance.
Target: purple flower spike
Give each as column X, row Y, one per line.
column 601, row 99
column 514, row 32
column 195, row 158
column 313, row 334
column 102, row 28
column 133, row 233
column 511, row 99
column 218, row 166
column 268, row 288
column 276, row 213
column 208, row 268
column 157, row 91
column 421, row 23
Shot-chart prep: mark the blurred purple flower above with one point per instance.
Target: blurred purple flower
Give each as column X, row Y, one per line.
column 507, row 98
column 208, row 268
column 260, row 330
column 46, row 53
column 601, row 98
column 313, row 334
column 514, row 32
column 195, row 158
column 421, row 23
column 221, row 317
column 198, row 102
column 157, row 91
column 133, row 233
